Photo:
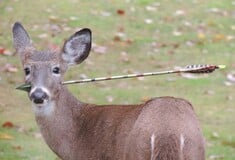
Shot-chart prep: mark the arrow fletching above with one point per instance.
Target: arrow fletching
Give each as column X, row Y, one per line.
column 199, row 68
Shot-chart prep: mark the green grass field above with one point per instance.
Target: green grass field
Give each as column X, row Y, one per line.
column 129, row 36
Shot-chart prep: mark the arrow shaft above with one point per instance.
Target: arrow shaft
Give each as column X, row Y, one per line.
column 187, row 69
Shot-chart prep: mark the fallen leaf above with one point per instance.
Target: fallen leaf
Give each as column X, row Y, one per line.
column 2, row 50
column 187, row 24
column 132, row 9
column 218, row 37
column 140, row 78
column 175, row 45
column 179, row 13
column 229, row 97
column 9, row 9
column 190, row 43
column 8, row 52
column 148, row 21
column 49, row 10
column 150, row 8
column 7, row 124
column 231, row 77
column 129, row 41
column 215, row 10
column 6, row 136
column 109, row 98
column 124, row 57
column 209, row 92
column 66, row 28
column 232, row 27
column 73, row 18
column 37, row 135
column 17, row 147
column 120, row 12
column 116, row 38
column 177, row 33
column 227, row 83
column 83, row 76
column 119, row 36
column 215, row 157
column 9, row 68
column 192, row 76
column 215, row 135
column 105, row 14
column 201, row 36
column 43, row 36
column 230, row 38
column 53, row 18
column 99, row 49
column 55, row 29
column 145, row 99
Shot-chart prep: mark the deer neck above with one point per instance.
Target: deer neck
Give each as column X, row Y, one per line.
column 59, row 128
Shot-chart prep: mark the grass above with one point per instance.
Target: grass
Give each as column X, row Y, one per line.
column 205, row 29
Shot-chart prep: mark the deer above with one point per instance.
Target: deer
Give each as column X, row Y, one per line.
column 162, row 128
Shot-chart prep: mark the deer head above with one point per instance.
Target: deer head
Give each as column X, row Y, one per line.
column 44, row 69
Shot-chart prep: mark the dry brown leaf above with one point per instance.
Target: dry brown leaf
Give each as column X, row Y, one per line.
column 7, row 124
column 120, row 12
column 201, row 36
column 53, row 18
column 6, row 136
column 145, row 99
column 218, row 37
column 17, row 148
column 2, row 50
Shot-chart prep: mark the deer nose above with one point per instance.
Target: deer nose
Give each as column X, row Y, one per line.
column 38, row 96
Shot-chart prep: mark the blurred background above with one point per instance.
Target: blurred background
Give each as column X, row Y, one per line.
column 129, row 36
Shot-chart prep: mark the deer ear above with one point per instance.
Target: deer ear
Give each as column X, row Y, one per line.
column 76, row 49
column 21, row 39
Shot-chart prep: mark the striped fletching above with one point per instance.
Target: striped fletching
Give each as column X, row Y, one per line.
column 201, row 68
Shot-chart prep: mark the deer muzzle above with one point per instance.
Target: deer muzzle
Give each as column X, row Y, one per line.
column 38, row 96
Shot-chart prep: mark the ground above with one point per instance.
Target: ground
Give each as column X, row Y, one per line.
column 128, row 37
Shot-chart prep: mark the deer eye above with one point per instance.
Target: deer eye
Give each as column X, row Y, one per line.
column 27, row 71
column 56, row 70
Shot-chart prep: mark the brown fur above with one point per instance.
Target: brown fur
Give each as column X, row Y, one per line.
column 86, row 131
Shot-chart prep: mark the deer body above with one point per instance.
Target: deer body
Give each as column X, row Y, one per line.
column 163, row 128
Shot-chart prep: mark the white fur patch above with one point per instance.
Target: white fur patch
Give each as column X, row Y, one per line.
column 152, row 141
column 45, row 109
column 181, row 142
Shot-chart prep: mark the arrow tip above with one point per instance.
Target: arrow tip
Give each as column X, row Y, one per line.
column 24, row 87
column 221, row 66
